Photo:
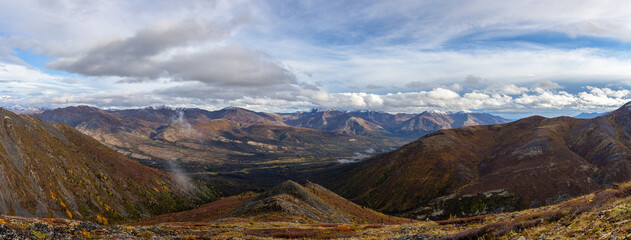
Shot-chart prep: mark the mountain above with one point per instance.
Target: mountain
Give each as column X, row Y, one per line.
column 53, row 170
column 587, row 115
column 290, row 201
column 336, row 121
column 484, row 169
column 230, row 135
column 371, row 123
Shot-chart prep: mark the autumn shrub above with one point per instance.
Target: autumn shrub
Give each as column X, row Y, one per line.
column 471, row 234
column 188, row 237
column 569, row 209
column 284, row 232
column 146, row 234
column 373, row 226
column 463, row 220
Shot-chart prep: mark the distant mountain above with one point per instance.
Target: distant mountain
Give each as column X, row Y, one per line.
column 371, row 123
column 482, row 169
column 590, row 115
column 336, row 121
column 25, row 111
column 311, row 203
column 53, row 170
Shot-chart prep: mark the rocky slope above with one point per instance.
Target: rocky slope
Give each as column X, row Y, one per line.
column 484, row 169
column 53, row 170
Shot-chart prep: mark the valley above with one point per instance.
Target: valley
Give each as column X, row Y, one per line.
column 234, row 150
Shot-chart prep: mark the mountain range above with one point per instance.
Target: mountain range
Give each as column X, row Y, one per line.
column 231, row 135
column 484, row 169
column 234, row 150
column 400, row 125
column 53, row 170
column 235, row 134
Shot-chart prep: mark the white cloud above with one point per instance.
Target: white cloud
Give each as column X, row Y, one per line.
column 510, row 89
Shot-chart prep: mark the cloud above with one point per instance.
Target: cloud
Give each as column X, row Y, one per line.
column 232, row 65
column 133, row 56
column 547, row 85
column 374, row 86
column 510, row 89
column 36, row 89
column 471, row 79
column 171, row 50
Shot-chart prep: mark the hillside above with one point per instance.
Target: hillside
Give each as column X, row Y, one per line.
column 288, row 201
column 204, row 213
column 52, row 170
column 484, row 169
column 311, row 203
column 601, row 215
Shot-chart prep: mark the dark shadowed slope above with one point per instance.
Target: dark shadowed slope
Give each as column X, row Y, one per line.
column 525, row 163
column 52, row 170
column 203, row 213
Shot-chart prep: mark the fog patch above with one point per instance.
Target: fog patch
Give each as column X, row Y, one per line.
column 358, row 156
column 183, row 124
column 181, row 178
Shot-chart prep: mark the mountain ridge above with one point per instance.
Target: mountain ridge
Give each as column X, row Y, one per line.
column 526, row 163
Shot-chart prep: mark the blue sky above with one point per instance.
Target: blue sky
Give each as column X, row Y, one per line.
column 511, row 58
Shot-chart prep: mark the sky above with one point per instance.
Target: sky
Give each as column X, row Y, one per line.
column 509, row 58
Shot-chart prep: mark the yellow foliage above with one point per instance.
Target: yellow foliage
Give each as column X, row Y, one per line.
column 154, row 188
column 52, row 195
column 2, row 221
column 82, row 234
column 146, row 234
column 188, row 237
column 101, row 220
column 69, row 214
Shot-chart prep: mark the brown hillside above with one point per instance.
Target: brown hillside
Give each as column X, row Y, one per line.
column 52, row 170
column 530, row 162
